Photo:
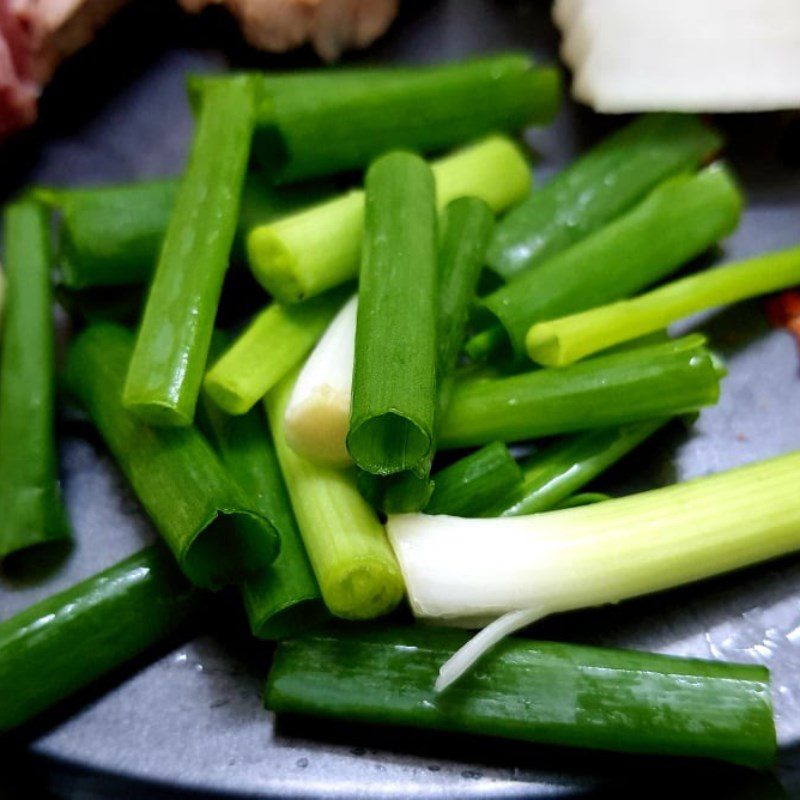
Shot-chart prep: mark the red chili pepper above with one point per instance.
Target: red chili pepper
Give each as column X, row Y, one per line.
column 783, row 311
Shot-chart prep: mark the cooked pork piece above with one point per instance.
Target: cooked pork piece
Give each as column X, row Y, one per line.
column 331, row 26
column 35, row 36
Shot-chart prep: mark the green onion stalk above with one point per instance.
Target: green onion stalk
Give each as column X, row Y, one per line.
column 217, row 536
column 169, row 359
column 32, row 512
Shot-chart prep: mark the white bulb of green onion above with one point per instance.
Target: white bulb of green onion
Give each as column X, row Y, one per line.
column 469, row 572
column 318, row 413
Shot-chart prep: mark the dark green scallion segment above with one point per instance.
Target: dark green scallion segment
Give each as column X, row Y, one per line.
column 31, row 513
column 63, row 643
column 539, row 692
column 584, row 499
column 467, row 487
column 468, row 224
column 394, row 375
column 677, row 221
column 284, row 598
column 217, row 536
column 338, row 120
column 632, row 386
column 551, row 477
column 169, row 359
column 112, row 235
column 599, row 187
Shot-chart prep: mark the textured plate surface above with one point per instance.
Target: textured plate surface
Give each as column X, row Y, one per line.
column 191, row 719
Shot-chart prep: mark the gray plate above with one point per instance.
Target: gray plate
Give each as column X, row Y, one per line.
column 191, row 718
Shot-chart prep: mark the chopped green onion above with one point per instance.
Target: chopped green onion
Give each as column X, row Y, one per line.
column 216, row 536
column 467, row 487
column 632, row 386
column 676, row 222
column 318, row 413
column 312, row 251
column 597, row 188
column 394, row 371
column 467, row 226
column 540, row 692
column 32, row 513
column 346, row 544
column 349, row 117
column 112, row 235
column 563, row 341
column 284, row 598
column 584, row 499
column 169, row 359
column 63, row 643
column 273, row 344
column 558, row 561
column 552, row 476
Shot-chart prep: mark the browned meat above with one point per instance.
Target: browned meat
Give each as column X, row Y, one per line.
column 331, row 26
column 35, row 36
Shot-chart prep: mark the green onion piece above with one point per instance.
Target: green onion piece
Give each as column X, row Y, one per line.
column 543, row 564
column 32, row 514
column 63, row 643
column 346, row 544
column 169, row 359
column 312, row 251
column 112, row 235
column 275, row 342
column 552, row 476
column 598, row 187
column 679, row 220
column 563, row 341
column 637, row 385
column 216, row 536
column 540, row 692
column 346, row 121
column 584, row 499
column 284, row 598
column 394, row 372
column 467, row 227
column 467, row 487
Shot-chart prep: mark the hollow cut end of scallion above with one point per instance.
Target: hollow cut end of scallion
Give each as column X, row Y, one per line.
column 362, row 590
column 283, row 623
column 214, row 558
column 387, row 444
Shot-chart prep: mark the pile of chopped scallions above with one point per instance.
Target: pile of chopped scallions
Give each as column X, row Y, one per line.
column 346, row 448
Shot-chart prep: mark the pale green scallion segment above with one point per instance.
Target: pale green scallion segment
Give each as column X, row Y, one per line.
column 552, row 476
column 284, row 598
column 274, row 342
column 599, row 187
column 307, row 253
column 663, row 380
column 217, row 536
column 30, row 504
column 568, row 339
column 467, row 226
column 169, row 359
column 347, row 546
column 677, row 221
column 394, row 372
column 538, row 692
column 467, row 487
